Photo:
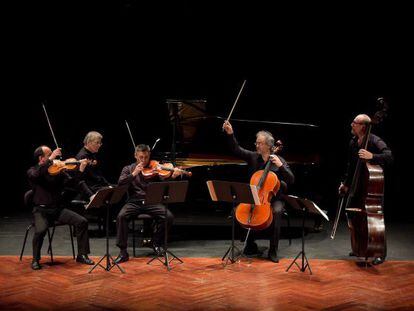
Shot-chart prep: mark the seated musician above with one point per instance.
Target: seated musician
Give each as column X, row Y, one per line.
column 132, row 175
column 377, row 153
column 93, row 177
column 48, row 203
column 257, row 160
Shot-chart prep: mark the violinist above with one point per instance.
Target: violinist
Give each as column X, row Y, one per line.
column 133, row 175
column 48, row 203
column 93, row 177
column 257, row 160
column 377, row 152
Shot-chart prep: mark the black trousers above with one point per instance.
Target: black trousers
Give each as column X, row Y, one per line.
column 44, row 218
column 273, row 231
column 130, row 210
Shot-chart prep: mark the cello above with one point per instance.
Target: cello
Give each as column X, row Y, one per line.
column 259, row 217
column 363, row 203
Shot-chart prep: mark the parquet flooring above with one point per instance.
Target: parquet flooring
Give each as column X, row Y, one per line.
column 204, row 284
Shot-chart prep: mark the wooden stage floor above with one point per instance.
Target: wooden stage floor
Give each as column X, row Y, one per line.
column 204, row 284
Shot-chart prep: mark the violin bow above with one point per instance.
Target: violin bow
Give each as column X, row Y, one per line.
column 50, row 126
column 235, row 102
column 130, row 134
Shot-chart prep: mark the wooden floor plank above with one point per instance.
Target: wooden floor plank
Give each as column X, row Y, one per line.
column 204, row 284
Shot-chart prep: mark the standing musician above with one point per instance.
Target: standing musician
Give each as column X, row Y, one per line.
column 256, row 161
column 132, row 175
column 377, row 153
column 48, row 203
column 93, row 177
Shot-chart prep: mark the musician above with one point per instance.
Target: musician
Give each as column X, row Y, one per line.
column 377, row 153
column 132, row 175
column 257, row 160
column 48, row 203
column 93, row 177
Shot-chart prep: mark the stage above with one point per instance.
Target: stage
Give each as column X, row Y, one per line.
column 202, row 282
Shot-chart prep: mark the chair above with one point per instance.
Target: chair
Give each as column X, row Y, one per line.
column 28, row 202
column 140, row 217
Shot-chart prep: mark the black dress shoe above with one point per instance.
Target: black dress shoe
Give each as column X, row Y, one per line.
column 36, row 265
column 121, row 258
column 272, row 254
column 377, row 261
column 84, row 259
column 251, row 249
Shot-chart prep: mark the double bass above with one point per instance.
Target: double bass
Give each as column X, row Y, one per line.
column 363, row 203
column 259, row 217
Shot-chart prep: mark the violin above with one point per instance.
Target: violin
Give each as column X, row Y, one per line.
column 59, row 166
column 259, row 217
column 70, row 164
column 165, row 170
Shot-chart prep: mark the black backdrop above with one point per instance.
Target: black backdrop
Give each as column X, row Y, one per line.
column 97, row 65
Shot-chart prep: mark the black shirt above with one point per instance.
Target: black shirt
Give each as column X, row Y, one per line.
column 137, row 185
column 48, row 189
column 382, row 155
column 93, row 175
column 256, row 162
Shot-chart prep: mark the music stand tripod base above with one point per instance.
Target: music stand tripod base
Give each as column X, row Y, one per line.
column 105, row 198
column 235, row 193
column 165, row 193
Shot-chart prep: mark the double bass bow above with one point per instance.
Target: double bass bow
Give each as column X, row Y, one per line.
column 363, row 202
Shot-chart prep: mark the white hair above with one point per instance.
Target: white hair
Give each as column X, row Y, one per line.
column 270, row 141
column 91, row 137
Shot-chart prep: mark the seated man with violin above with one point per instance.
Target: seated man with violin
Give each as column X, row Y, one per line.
column 93, row 178
column 137, row 176
column 257, row 160
column 48, row 179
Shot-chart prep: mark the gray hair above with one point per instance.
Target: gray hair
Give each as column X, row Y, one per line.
column 270, row 141
column 91, row 137
column 142, row 148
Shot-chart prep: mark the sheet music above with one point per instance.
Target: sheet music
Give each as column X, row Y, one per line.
column 307, row 202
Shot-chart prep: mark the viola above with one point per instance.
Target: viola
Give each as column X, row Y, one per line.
column 164, row 170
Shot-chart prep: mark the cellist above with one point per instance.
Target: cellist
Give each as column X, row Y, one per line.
column 257, row 160
column 377, row 153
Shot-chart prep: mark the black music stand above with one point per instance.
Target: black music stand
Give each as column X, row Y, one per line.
column 164, row 193
column 306, row 206
column 235, row 193
column 105, row 198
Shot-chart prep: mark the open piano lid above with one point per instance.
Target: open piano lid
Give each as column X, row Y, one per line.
column 199, row 139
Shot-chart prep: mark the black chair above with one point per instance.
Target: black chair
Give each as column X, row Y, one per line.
column 142, row 218
column 28, row 202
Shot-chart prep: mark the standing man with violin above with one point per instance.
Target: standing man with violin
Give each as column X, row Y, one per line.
column 93, row 177
column 133, row 175
column 377, row 153
column 257, row 160
column 48, row 202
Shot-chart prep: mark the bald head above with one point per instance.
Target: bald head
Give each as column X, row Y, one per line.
column 362, row 119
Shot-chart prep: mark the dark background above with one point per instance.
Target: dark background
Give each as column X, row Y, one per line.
column 97, row 64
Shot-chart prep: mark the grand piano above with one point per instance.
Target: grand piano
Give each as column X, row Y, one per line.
column 198, row 144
